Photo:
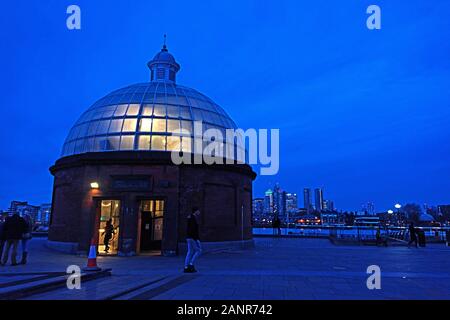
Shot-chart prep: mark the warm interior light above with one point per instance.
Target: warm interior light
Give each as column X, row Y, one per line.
column 94, row 185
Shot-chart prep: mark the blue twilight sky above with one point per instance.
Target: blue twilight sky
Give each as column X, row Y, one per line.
column 363, row 114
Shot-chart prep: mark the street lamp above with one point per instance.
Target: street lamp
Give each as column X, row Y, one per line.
column 398, row 207
column 390, row 211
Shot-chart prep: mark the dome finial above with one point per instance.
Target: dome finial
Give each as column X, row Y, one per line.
column 164, row 48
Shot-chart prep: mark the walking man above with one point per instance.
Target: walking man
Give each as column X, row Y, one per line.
column 193, row 241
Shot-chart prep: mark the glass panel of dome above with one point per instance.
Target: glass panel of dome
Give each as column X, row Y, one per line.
column 147, row 110
column 197, row 113
column 113, row 143
column 144, row 143
column 145, row 125
column 160, row 98
column 161, row 88
column 89, row 145
column 121, row 110
column 172, row 99
column 133, row 110
column 149, row 96
column 127, row 143
column 194, row 103
column 129, row 125
column 170, row 90
column 137, row 97
column 69, row 148
column 186, row 144
column 93, row 128
column 83, row 130
column 173, row 112
column 180, row 91
column 98, row 113
column 115, row 99
column 186, row 127
column 159, row 125
column 158, row 143
column 173, row 143
column 73, row 133
column 183, row 101
column 103, row 127
column 173, row 126
column 126, row 98
column 208, row 117
column 159, row 110
column 86, row 117
column 141, row 89
column 109, row 111
column 116, row 125
column 79, row 146
column 185, row 112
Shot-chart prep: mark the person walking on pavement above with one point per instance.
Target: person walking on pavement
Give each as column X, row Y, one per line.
column 14, row 229
column 193, row 241
column 26, row 237
column 412, row 235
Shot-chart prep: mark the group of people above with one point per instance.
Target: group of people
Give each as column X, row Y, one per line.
column 14, row 229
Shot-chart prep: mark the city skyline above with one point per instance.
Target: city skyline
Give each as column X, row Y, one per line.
column 345, row 100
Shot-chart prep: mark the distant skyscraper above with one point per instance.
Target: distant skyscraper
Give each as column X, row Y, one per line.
column 268, row 202
column 369, row 208
column 318, row 197
column 279, row 201
column 258, row 206
column 328, row 205
column 291, row 202
column 307, row 199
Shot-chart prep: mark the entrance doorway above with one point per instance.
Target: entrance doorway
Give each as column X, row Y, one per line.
column 152, row 218
column 108, row 232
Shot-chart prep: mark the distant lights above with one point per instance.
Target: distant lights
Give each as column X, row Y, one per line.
column 390, row 211
column 95, row 185
column 398, row 206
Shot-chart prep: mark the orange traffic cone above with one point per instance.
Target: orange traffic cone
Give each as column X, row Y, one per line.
column 92, row 259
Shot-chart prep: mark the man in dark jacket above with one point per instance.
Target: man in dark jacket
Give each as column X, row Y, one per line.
column 192, row 241
column 412, row 235
column 14, row 229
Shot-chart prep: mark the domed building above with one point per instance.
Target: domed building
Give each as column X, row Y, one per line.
column 116, row 168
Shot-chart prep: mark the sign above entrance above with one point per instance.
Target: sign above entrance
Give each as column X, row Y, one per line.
column 132, row 183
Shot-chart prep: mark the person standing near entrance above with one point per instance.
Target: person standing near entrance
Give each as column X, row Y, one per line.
column 412, row 235
column 14, row 229
column 193, row 241
column 109, row 232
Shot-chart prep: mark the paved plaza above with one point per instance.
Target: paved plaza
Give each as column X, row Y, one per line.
column 277, row 268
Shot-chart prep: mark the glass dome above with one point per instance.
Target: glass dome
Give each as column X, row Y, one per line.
column 142, row 117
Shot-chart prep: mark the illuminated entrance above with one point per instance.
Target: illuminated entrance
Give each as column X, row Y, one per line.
column 151, row 227
column 108, row 232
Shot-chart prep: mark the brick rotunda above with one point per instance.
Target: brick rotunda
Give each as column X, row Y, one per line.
column 116, row 166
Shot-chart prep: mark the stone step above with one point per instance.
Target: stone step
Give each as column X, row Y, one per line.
column 39, row 285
